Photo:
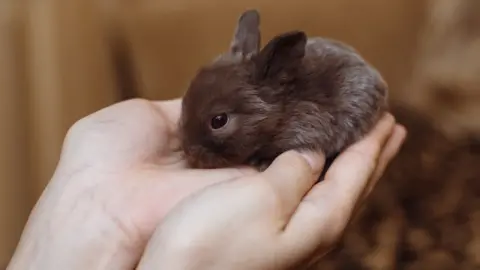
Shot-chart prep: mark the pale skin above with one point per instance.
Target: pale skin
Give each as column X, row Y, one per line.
column 122, row 198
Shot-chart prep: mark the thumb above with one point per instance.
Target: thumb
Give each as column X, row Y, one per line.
column 291, row 175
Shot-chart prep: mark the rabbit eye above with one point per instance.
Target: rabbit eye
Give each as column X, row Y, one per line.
column 219, row 121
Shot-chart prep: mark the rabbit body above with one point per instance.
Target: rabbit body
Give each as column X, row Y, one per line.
column 250, row 105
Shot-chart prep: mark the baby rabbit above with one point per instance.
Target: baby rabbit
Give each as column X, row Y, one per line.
column 252, row 104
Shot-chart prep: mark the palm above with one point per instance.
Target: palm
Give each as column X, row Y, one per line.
column 119, row 174
column 134, row 143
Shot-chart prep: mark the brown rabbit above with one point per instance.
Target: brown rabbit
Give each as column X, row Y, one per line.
column 251, row 104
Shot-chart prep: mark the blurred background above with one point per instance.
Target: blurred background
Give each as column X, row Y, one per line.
column 62, row 60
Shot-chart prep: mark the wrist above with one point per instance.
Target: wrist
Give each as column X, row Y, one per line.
column 69, row 248
column 72, row 234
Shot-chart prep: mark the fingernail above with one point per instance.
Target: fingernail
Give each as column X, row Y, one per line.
column 403, row 128
column 314, row 159
column 387, row 117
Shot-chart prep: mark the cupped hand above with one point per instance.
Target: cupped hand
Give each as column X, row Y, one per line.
column 119, row 173
column 277, row 219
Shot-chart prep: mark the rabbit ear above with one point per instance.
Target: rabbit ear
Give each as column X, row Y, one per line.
column 246, row 40
column 281, row 56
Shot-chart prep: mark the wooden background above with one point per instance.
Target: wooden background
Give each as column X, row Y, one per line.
column 59, row 61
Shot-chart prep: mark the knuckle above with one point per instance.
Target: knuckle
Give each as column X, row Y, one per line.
column 79, row 129
column 138, row 105
column 137, row 102
column 99, row 121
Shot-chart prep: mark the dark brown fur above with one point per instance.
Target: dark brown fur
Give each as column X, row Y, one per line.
column 295, row 93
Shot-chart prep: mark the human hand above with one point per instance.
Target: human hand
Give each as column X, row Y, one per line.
column 276, row 219
column 119, row 173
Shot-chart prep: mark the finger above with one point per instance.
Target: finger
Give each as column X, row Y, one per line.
column 326, row 209
column 171, row 110
column 354, row 167
column 368, row 149
column 390, row 151
column 290, row 176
